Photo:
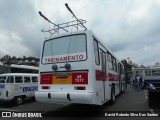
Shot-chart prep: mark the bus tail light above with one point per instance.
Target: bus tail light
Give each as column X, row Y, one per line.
column 46, row 79
column 80, row 88
column 45, row 87
column 7, row 92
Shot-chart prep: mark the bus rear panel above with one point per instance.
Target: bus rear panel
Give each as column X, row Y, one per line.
column 62, row 85
column 74, row 69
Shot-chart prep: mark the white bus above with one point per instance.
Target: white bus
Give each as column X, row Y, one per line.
column 17, row 87
column 78, row 68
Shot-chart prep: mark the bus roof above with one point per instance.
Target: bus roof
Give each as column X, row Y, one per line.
column 24, row 67
column 21, row 74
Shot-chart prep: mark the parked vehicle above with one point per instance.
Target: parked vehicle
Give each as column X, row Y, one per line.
column 78, row 67
column 87, row 73
column 18, row 86
column 151, row 78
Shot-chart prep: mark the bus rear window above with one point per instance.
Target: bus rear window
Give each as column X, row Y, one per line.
column 67, row 48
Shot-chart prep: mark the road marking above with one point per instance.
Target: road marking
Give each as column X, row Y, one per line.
column 7, row 109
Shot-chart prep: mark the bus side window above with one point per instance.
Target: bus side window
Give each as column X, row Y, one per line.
column 18, row 79
column 114, row 64
column 34, row 79
column 10, row 79
column 96, row 52
column 110, row 65
column 27, row 79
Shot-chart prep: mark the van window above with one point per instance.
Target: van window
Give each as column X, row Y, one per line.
column 34, row 79
column 10, row 79
column 27, row 79
column 18, row 79
column 2, row 81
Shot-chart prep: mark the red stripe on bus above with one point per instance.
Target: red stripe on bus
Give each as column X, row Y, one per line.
column 112, row 77
column 100, row 76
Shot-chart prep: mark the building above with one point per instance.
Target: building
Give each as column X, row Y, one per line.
column 32, row 61
column 18, row 69
column 4, row 68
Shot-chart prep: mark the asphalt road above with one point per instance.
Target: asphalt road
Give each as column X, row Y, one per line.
column 129, row 102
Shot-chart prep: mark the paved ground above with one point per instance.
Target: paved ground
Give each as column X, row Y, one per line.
column 128, row 102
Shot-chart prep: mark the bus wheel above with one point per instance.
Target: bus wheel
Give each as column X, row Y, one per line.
column 18, row 100
column 113, row 97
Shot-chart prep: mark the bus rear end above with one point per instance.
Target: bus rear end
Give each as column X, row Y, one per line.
column 64, row 70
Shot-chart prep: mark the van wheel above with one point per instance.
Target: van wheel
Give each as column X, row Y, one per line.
column 113, row 97
column 18, row 100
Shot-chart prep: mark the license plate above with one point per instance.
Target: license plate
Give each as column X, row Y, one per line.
column 62, row 78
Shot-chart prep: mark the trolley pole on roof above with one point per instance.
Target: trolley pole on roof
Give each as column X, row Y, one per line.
column 56, row 27
column 50, row 21
column 74, row 15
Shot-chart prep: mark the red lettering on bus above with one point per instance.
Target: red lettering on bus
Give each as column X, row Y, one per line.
column 73, row 57
column 61, row 59
column 65, row 58
column 57, row 59
column 48, row 59
column 69, row 58
column 81, row 57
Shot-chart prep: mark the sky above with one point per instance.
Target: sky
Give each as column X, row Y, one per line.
column 130, row 28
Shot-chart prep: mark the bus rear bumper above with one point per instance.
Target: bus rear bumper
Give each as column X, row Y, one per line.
column 64, row 97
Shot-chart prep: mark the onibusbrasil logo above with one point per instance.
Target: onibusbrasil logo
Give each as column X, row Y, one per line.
column 21, row 114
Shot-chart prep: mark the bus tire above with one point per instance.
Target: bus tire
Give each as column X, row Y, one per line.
column 18, row 100
column 113, row 97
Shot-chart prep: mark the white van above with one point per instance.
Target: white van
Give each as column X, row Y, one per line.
column 18, row 86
